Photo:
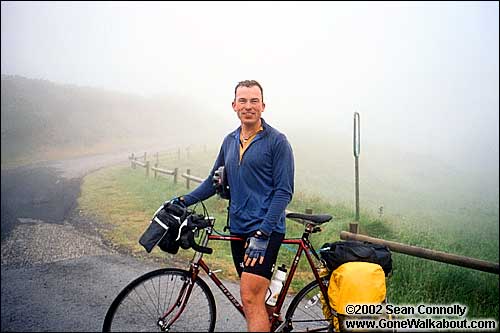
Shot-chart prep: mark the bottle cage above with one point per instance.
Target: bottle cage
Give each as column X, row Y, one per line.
column 220, row 183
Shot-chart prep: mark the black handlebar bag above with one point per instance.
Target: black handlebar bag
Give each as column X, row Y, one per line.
column 164, row 229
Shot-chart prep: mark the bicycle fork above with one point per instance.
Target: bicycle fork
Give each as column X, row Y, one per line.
column 180, row 304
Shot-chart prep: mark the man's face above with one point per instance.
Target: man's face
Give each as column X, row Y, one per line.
column 248, row 105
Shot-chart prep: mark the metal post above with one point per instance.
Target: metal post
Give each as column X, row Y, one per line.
column 353, row 227
column 176, row 171
column 187, row 179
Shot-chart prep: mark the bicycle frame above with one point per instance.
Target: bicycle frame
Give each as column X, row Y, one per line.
column 197, row 262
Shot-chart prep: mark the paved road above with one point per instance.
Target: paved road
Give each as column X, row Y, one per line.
column 57, row 274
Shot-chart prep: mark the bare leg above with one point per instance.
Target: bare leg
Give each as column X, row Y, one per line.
column 253, row 290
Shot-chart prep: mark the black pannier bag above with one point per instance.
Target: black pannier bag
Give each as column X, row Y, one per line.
column 338, row 253
column 164, row 229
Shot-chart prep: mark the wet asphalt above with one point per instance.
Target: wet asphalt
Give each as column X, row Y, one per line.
column 57, row 273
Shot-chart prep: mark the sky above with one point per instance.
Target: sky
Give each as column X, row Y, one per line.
column 424, row 76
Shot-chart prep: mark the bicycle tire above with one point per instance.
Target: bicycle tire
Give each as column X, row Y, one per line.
column 305, row 312
column 139, row 305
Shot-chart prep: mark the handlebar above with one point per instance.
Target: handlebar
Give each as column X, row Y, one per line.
column 196, row 247
column 193, row 223
column 199, row 221
column 175, row 209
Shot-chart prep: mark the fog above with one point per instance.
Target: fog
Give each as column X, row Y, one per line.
column 423, row 76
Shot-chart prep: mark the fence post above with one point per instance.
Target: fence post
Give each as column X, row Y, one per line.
column 176, row 171
column 353, row 227
column 309, row 211
column 147, row 168
column 144, row 156
column 157, row 162
column 187, row 179
column 132, row 164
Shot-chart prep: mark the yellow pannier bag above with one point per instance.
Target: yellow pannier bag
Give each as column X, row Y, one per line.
column 355, row 283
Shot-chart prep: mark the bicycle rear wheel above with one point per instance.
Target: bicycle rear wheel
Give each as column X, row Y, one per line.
column 305, row 313
column 138, row 307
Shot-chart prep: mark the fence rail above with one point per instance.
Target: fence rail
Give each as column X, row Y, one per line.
column 164, row 171
column 143, row 164
column 157, row 170
column 134, row 162
column 420, row 252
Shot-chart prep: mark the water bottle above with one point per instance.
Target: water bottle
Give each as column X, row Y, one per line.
column 275, row 287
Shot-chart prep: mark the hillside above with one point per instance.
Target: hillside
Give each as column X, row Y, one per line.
column 39, row 117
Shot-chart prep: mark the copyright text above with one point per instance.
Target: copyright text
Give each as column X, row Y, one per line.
column 457, row 310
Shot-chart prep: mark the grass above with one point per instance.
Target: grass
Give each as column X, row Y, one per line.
column 125, row 199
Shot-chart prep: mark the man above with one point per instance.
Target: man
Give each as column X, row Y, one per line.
column 259, row 165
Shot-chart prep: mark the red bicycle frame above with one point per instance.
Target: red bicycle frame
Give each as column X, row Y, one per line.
column 303, row 244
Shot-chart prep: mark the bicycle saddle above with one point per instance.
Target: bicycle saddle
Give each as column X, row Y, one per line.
column 314, row 219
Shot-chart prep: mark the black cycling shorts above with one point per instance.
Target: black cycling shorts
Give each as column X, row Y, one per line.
column 266, row 268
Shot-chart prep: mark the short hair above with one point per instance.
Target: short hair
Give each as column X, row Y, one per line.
column 248, row 84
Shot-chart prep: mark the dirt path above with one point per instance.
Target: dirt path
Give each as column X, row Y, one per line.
column 57, row 274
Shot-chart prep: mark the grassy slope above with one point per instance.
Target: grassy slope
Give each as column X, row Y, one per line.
column 127, row 199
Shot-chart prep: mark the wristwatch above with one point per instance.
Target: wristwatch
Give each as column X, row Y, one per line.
column 260, row 234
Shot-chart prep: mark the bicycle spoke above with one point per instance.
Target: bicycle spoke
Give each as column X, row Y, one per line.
column 151, row 299
column 143, row 308
column 157, row 293
column 167, row 294
column 304, row 316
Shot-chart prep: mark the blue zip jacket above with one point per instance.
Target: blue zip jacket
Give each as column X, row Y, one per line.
column 261, row 184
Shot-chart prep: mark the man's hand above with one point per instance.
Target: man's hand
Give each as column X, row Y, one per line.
column 256, row 247
column 179, row 201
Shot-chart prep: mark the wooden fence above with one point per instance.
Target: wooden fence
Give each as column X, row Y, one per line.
column 415, row 251
column 134, row 162
column 144, row 163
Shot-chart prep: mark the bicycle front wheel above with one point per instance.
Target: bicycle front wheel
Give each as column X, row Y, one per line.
column 140, row 305
column 305, row 313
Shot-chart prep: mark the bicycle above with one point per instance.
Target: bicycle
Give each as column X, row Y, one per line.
column 172, row 299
